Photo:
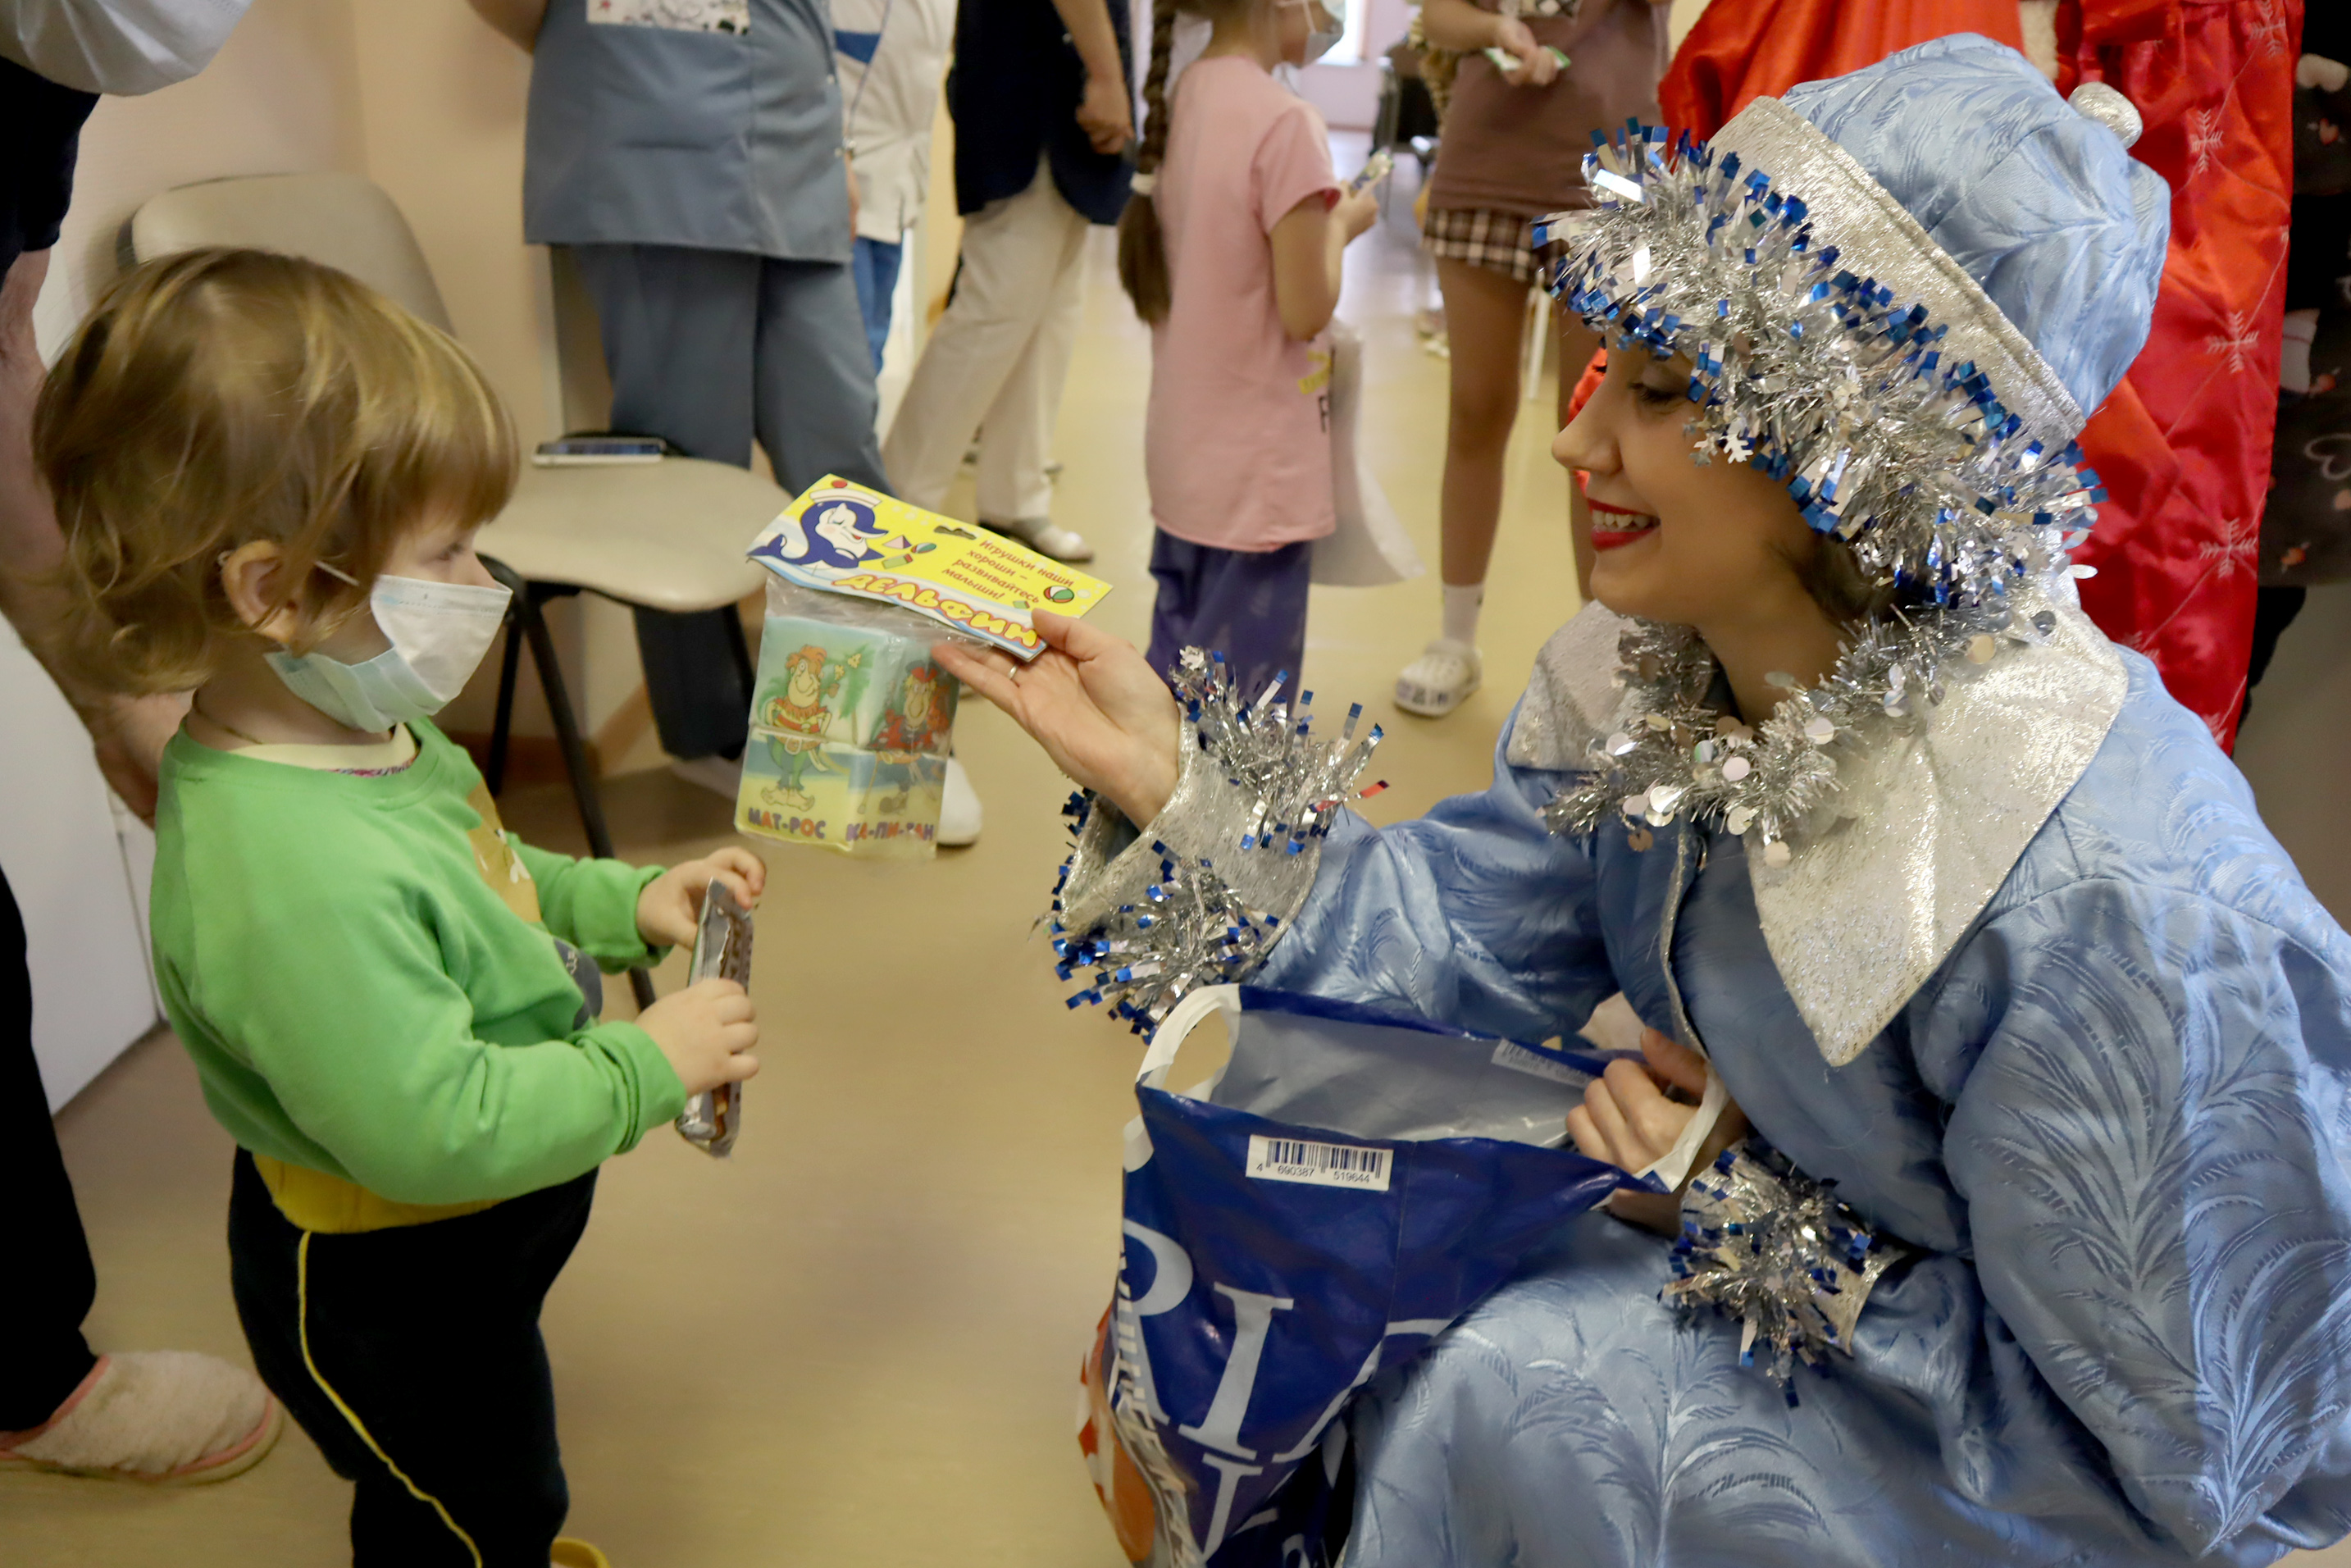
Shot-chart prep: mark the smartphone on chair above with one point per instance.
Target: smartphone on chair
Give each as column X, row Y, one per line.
column 574, row 451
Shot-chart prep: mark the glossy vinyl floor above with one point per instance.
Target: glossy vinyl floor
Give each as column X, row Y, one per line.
column 856, row 1342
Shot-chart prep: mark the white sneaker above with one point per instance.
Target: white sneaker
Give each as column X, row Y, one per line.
column 1436, row 683
column 720, row 775
column 959, row 811
column 1039, row 534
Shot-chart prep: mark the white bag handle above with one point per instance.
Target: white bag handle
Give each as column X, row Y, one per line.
column 1673, row 1166
column 1168, row 1038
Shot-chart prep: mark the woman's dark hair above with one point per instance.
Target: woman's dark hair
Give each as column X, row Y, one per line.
column 1837, row 584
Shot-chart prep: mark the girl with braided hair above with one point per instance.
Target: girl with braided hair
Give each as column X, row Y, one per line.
column 1231, row 248
column 1536, row 79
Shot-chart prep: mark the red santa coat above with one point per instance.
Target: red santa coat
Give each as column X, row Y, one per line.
column 1741, row 49
column 2183, row 444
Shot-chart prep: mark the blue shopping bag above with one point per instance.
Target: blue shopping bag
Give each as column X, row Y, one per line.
column 1344, row 1188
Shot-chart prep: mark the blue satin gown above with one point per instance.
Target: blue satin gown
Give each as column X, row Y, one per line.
column 2110, row 1128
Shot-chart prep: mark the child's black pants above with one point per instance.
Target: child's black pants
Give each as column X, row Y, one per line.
column 413, row 1357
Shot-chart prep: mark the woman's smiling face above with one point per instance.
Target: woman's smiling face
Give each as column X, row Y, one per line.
column 1696, row 544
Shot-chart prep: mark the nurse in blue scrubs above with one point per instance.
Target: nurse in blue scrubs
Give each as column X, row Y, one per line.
column 688, row 157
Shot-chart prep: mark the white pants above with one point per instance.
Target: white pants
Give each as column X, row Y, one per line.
column 997, row 360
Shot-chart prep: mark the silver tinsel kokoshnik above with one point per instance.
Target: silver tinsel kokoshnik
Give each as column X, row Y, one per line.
column 1823, row 379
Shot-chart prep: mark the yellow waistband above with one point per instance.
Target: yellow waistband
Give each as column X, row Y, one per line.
column 333, row 1207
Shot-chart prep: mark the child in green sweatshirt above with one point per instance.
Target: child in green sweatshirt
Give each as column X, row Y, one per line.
column 269, row 478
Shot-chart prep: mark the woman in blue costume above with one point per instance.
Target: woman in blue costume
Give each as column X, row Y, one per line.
column 1925, row 879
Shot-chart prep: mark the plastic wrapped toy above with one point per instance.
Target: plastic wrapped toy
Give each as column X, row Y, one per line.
column 850, row 719
column 849, row 726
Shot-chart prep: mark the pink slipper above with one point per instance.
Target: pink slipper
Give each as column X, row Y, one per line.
column 167, row 1418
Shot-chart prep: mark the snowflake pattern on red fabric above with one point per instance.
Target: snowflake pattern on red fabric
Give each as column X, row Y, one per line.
column 2183, row 444
column 2239, row 549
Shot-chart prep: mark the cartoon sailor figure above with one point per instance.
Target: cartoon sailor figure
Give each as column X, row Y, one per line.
column 798, row 717
column 915, row 728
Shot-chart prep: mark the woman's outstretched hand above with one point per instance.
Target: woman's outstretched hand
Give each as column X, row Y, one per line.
column 1092, row 703
column 1633, row 1114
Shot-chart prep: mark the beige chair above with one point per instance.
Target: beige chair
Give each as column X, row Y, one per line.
column 667, row 536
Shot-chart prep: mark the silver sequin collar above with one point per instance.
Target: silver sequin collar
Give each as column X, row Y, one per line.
column 1930, row 810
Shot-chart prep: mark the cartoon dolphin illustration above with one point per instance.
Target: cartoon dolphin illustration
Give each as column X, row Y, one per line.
column 828, row 538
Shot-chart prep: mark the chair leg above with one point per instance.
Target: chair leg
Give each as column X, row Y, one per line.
column 740, row 646
column 502, row 727
column 530, row 604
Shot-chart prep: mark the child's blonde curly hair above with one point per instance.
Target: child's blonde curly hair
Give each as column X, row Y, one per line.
column 218, row 397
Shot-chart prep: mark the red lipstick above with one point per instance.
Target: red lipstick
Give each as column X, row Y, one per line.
column 1606, row 537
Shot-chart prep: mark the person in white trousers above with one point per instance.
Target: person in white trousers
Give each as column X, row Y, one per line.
column 1043, row 118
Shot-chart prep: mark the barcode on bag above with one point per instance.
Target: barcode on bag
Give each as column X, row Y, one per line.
column 1518, row 1059
column 1318, row 1165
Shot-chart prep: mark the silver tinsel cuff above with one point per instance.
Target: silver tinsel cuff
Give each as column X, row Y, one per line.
column 1776, row 1251
column 1201, row 896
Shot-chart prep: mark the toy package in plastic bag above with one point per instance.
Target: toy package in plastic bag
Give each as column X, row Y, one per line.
column 849, row 726
column 1332, row 1199
column 851, row 718
column 840, row 538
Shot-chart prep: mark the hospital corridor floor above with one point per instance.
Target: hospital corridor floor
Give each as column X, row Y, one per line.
column 856, row 1342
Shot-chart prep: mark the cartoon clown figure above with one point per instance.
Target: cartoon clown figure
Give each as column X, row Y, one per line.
column 798, row 716
column 915, row 727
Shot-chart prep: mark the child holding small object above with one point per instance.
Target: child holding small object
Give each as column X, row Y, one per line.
column 1231, row 248
column 269, row 478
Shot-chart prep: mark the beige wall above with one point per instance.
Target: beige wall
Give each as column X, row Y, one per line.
column 442, row 116
column 282, row 97
column 423, row 98
column 441, row 112
column 942, row 232
column 1683, row 18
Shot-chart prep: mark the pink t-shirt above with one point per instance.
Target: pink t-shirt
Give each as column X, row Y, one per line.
column 1238, row 446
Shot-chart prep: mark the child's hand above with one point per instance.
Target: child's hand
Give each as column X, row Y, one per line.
column 708, row 1031
column 1627, row 1120
column 1357, row 210
column 669, row 911
column 1093, row 703
column 1537, row 66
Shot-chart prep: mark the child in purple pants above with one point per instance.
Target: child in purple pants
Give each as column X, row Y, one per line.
column 1231, row 248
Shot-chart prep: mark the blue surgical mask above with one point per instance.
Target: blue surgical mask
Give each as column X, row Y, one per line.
column 439, row 634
